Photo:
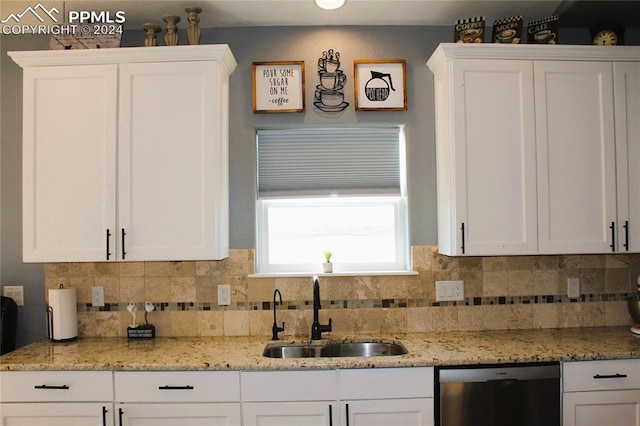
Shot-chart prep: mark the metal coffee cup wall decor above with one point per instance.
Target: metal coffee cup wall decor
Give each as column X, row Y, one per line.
column 380, row 85
column 329, row 94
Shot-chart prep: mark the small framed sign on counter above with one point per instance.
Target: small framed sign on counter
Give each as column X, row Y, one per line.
column 278, row 87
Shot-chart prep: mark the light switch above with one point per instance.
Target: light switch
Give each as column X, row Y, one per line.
column 449, row 291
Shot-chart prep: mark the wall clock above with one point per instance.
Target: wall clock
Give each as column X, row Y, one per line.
column 607, row 34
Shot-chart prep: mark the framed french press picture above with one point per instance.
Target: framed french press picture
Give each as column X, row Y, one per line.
column 380, row 85
column 278, row 87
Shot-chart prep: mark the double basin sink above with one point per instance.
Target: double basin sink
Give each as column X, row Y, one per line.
column 365, row 348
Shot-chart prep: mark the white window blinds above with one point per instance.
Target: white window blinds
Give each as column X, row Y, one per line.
column 327, row 162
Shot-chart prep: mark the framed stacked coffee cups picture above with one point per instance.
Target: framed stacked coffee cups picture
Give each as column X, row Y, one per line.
column 380, row 85
column 278, row 87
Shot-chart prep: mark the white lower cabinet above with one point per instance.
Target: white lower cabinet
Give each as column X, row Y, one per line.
column 386, row 396
column 601, row 393
column 56, row 398
column 171, row 398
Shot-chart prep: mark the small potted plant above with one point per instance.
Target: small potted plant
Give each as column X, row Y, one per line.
column 327, row 266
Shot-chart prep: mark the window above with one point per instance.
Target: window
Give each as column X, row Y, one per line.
column 331, row 189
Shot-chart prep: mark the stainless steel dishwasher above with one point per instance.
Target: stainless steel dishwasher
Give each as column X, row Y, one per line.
column 498, row 395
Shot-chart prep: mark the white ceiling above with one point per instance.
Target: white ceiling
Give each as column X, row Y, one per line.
column 239, row 13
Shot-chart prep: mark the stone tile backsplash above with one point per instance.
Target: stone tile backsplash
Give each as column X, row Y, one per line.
column 510, row 292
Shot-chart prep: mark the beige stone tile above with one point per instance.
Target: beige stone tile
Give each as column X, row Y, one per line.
column 421, row 258
column 157, row 289
column 392, row 287
column 594, row 261
column 570, row 261
column 545, row 262
column 132, row 289
column 238, row 291
column 472, row 283
column 496, row 283
column 420, row 320
column 520, row 263
column 157, row 269
column 520, row 283
column 206, row 290
column 83, row 288
column 183, row 289
column 470, row 317
column 183, row 269
column 107, row 324
column 296, row 289
column 470, row 263
column 569, row 315
column 445, row 318
column 497, row 263
column 616, row 313
column 239, row 262
column 617, row 280
column 261, row 323
column 614, row 261
column 342, row 321
column 210, row 323
column 236, row 323
column 367, row 321
column 261, row 289
column 593, row 314
column 87, row 324
column 441, row 262
column 81, row 269
column 111, row 287
column 545, row 282
column 417, row 287
column 184, row 323
column 107, row 269
column 520, row 316
column 54, row 270
column 495, row 317
column 208, row 268
column 366, row 288
column 393, row 320
column 161, row 320
column 593, row 281
column 131, row 269
column 337, row 288
column 545, row 315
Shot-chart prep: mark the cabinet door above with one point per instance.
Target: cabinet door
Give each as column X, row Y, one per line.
column 576, row 156
column 406, row 412
column 172, row 181
column 179, row 414
column 316, row 413
column 619, row 408
column 627, row 116
column 486, row 166
column 69, row 149
column 56, row 414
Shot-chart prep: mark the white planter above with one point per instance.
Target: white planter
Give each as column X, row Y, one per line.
column 327, row 267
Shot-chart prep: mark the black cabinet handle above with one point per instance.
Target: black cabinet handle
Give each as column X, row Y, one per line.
column 63, row 387
column 122, row 235
column 610, row 376
column 120, row 414
column 167, row 387
column 108, row 248
column 462, row 229
column 613, row 236
column 626, row 235
column 104, row 416
column 347, row 411
column 330, row 415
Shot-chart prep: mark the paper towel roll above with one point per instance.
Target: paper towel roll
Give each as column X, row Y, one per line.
column 63, row 314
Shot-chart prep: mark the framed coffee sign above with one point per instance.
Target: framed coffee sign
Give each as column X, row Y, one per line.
column 380, row 85
column 278, row 87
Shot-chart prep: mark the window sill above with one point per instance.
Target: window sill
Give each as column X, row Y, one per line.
column 331, row 274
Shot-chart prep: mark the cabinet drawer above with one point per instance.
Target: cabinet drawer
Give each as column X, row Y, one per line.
column 601, row 375
column 386, row 383
column 56, row 386
column 289, row 385
column 177, row 386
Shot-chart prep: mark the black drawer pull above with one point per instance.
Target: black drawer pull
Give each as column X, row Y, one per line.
column 175, row 387
column 63, row 387
column 610, row 376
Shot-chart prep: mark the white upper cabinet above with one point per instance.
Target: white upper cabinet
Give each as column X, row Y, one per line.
column 126, row 153
column 627, row 124
column 576, row 156
column 527, row 143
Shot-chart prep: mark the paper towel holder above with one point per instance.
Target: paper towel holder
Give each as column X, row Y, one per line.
column 50, row 324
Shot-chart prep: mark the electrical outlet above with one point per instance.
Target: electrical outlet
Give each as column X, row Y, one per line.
column 16, row 292
column 449, row 291
column 573, row 288
column 224, row 294
column 97, row 296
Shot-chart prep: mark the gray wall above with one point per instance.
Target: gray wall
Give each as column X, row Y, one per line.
column 414, row 44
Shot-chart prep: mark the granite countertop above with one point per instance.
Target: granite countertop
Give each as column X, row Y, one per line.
column 245, row 353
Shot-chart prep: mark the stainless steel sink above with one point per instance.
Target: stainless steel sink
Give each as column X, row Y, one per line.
column 334, row 349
